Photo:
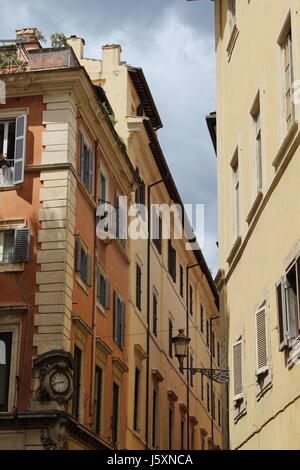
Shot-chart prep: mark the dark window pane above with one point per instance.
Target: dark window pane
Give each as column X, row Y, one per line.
column 5, row 364
column 97, row 400
column 1, row 137
column 77, row 374
column 115, row 415
column 11, row 140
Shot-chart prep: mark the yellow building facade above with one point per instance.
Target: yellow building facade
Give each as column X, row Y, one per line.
column 257, row 50
column 166, row 409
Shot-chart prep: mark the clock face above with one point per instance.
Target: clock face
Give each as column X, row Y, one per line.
column 60, row 382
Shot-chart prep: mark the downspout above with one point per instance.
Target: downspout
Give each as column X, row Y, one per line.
column 93, row 361
column 148, row 309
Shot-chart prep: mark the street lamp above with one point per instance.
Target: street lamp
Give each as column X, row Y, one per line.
column 181, row 343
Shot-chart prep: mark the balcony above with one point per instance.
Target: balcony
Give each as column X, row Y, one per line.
column 13, row 56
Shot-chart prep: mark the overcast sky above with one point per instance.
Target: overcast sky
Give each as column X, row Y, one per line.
column 173, row 41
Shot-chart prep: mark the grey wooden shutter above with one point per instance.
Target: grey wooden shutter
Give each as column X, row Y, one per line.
column 91, row 169
column 98, row 283
column 20, row 148
column 237, row 370
column 261, row 341
column 89, row 270
column 77, row 254
column 282, row 315
column 81, row 156
column 122, row 326
column 107, row 293
column 115, row 316
column 22, row 244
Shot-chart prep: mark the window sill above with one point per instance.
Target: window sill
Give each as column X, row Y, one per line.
column 82, row 284
column 264, row 384
column 254, row 207
column 11, row 267
column 234, row 249
column 102, row 309
column 232, row 40
column 9, row 188
column 240, row 411
column 294, row 353
column 286, row 145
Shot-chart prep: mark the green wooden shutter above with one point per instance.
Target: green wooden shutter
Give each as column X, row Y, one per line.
column 22, row 243
column 20, row 148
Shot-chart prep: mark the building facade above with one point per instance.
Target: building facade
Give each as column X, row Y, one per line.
column 166, row 409
column 258, row 156
column 87, row 319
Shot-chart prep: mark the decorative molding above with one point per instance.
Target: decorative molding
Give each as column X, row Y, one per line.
column 103, row 346
column 156, row 375
column 13, row 308
column 183, row 408
column 203, row 432
column 120, row 365
column 83, row 326
column 234, row 249
column 254, row 207
column 232, row 40
column 172, row 396
column 55, row 436
column 193, row 420
column 140, row 352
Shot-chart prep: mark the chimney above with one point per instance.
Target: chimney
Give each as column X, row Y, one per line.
column 77, row 45
column 28, row 35
column 111, row 56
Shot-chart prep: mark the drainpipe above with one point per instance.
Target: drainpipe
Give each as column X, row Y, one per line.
column 188, row 356
column 148, row 308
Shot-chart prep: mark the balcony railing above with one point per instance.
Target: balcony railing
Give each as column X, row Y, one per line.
column 13, row 56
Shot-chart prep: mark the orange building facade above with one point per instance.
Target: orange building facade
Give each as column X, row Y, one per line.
column 63, row 355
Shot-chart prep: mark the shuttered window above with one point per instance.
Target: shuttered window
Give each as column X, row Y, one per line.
column 138, row 287
column 261, row 341
column 201, row 318
column 97, row 400
column 156, row 229
column 191, row 300
column 20, row 149
column 87, row 164
column 237, row 370
column 14, row 245
column 289, row 78
column 170, row 338
column 181, row 281
column 136, row 398
column 77, row 382
column 155, row 314
column 115, row 414
column 171, row 260
column 103, row 289
column 119, row 320
column 83, row 262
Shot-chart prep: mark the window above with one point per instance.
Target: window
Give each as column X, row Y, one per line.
column 237, row 370
column 170, row 338
column 155, row 314
column 208, row 397
column 87, row 163
column 97, row 400
column 103, row 189
column 191, row 374
column 171, row 261
column 5, row 366
column 191, row 300
column 288, row 305
column 121, row 219
column 213, row 349
column 156, row 229
column 115, row 415
column 83, row 262
column 261, row 341
column 218, row 354
column 181, row 281
column 201, row 318
column 138, row 287
column 289, row 78
column 103, row 289
column 136, row 399
column 77, row 380
column 193, row 440
column 182, row 428
column 232, row 14
column 140, row 197
column 213, row 405
column 258, row 155
column 202, row 387
column 219, row 413
column 207, row 333
column 14, row 245
column 119, row 320
column 12, row 150
column 154, row 413
column 170, row 428
column 236, row 190
column 202, row 443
